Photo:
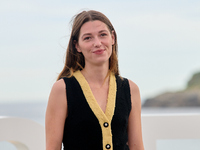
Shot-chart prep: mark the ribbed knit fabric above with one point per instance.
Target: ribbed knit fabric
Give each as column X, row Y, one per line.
column 84, row 130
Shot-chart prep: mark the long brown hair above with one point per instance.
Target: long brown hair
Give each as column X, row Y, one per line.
column 74, row 60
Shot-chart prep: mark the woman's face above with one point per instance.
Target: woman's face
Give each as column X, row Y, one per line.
column 95, row 42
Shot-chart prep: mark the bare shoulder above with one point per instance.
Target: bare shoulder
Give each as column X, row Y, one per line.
column 58, row 86
column 58, row 93
column 135, row 94
column 57, row 103
column 133, row 87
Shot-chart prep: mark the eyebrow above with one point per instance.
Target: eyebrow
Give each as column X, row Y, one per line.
column 103, row 31
column 86, row 34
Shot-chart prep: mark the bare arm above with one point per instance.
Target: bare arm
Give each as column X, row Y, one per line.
column 56, row 114
column 135, row 141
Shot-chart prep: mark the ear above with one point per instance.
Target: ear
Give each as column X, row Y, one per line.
column 77, row 46
column 113, row 37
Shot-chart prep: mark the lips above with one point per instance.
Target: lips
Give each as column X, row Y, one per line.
column 100, row 51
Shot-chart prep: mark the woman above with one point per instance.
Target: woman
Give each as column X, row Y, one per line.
column 90, row 107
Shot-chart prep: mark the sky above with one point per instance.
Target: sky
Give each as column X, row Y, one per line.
column 159, row 43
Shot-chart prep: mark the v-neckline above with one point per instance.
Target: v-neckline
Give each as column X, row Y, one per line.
column 110, row 106
column 103, row 118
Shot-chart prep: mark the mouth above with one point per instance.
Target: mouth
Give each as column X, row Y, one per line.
column 100, row 51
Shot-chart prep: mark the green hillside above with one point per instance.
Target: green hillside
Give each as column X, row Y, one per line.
column 189, row 97
column 194, row 82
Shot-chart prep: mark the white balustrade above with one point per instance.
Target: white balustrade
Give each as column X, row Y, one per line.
column 173, row 126
column 24, row 134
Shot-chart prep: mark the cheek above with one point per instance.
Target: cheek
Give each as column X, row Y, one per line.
column 85, row 46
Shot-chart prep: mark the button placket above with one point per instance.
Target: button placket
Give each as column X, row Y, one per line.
column 100, row 115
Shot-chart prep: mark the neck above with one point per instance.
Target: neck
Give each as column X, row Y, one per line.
column 96, row 75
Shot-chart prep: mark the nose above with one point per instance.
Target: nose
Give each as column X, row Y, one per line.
column 97, row 42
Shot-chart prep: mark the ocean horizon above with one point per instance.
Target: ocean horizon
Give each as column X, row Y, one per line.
column 36, row 110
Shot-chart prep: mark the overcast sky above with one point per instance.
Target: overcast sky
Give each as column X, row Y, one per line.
column 159, row 43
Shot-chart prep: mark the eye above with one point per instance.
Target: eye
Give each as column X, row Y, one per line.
column 87, row 38
column 103, row 34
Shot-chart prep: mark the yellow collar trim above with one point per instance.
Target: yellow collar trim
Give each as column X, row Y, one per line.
column 110, row 107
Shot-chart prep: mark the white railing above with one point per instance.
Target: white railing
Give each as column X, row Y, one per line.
column 25, row 134
column 165, row 127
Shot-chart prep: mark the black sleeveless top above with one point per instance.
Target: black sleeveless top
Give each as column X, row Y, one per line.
column 82, row 130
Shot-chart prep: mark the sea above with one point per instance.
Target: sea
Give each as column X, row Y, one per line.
column 36, row 111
